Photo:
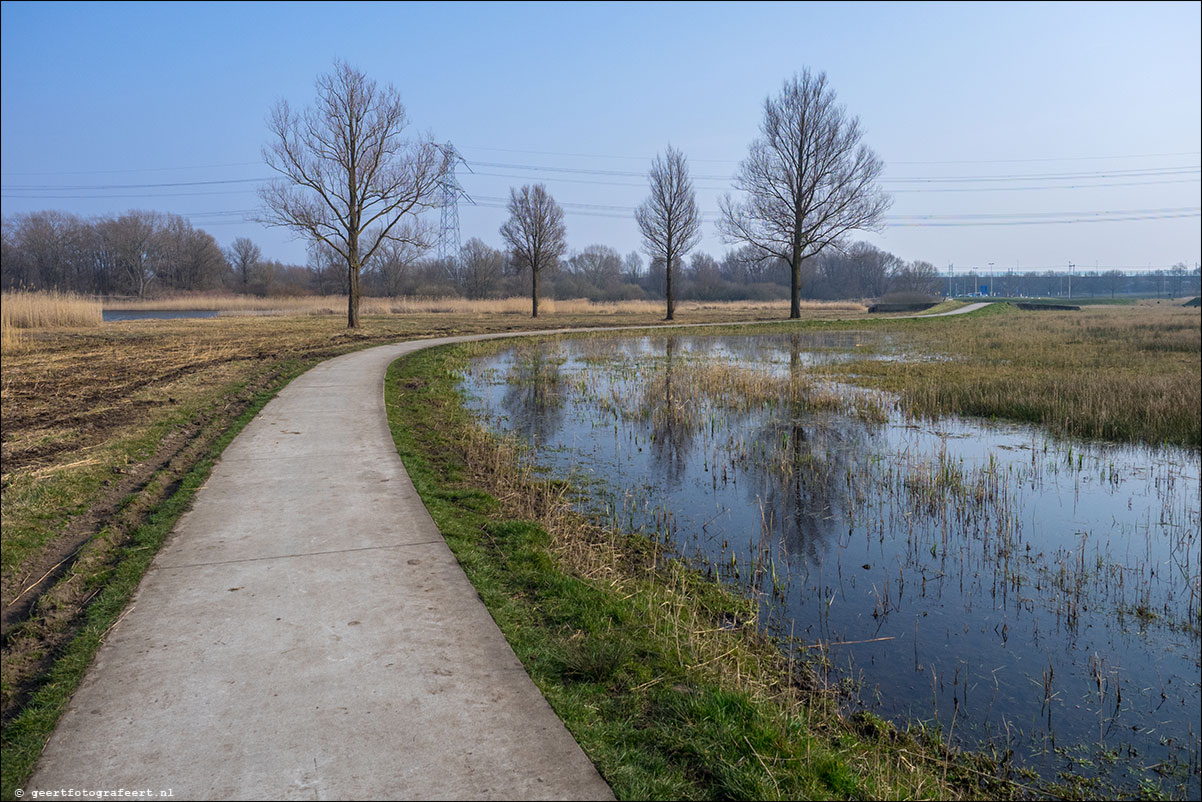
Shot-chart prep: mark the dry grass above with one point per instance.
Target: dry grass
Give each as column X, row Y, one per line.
column 1122, row 373
column 43, row 310
column 516, row 306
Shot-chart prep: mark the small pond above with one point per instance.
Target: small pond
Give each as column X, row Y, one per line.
column 1027, row 593
column 112, row 315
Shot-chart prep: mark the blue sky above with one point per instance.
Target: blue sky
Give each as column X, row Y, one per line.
column 1074, row 98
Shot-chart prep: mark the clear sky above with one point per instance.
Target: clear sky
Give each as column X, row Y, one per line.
column 1038, row 112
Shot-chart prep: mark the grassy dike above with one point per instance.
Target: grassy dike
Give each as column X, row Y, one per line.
column 658, row 672
column 111, row 572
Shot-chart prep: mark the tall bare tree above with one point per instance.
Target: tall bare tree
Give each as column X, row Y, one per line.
column 808, row 179
column 345, row 169
column 535, row 233
column 669, row 219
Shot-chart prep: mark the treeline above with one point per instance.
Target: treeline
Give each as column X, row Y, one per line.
column 144, row 252
column 124, row 255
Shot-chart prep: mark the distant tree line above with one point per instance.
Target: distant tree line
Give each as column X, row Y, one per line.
column 139, row 253
column 131, row 254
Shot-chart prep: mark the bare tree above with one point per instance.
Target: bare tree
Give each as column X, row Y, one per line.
column 480, row 268
column 395, row 266
column 916, row 278
column 600, row 268
column 668, row 219
column 244, row 257
column 346, row 169
column 135, row 245
column 535, row 233
column 808, row 179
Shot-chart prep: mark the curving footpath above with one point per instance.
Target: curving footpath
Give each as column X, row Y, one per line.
column 306, row 633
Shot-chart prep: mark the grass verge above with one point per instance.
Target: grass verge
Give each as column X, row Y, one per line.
column 659, row 673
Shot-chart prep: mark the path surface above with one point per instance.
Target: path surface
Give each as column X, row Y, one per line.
column 306, row 633
column 964, row 310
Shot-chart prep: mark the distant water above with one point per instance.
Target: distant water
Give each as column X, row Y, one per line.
column 111, row 315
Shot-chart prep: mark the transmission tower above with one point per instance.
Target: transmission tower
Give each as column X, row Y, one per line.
column 449, row 193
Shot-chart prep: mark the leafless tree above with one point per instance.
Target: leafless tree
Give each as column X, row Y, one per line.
column 480, row 268
column 395, row 264
column 600, row 266
column 535, row 233
column 668, row 219
column 915, row 278
column 348, row 178
column 327, row 267
column 135, row 245
column 244, row 257
column 632, row 267
column 808, row 179
column 706, row 277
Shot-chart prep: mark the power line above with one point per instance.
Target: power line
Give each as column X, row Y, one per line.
column 944, row 161
column 143, row 169
column 33, row 187
column 1153, row 172
column 118, row 171
column 25, row 194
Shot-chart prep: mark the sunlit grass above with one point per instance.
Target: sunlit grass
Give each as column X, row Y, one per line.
column 42, row 310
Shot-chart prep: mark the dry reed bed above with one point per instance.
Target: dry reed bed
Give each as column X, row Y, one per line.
column 42, row 310
column 336, row 304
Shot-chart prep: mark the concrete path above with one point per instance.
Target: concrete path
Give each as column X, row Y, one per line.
column 306, row 633
column 964, row 310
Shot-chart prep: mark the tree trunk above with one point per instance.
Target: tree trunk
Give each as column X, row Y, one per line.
column 352, row 293
column 533, row 292
column 795, row 286
column 671, row 300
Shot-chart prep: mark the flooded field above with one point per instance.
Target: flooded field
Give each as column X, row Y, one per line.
column 1032, row 596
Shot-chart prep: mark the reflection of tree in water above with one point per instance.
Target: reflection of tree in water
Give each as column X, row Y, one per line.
column 534, row 392
column 668, row 407
column 802, row 481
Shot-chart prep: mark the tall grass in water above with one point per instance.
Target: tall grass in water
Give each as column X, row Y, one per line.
column 43, row 310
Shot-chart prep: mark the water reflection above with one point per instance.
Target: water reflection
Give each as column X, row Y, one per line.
column 533, row 397
column 1045, row 593
column 671, row 412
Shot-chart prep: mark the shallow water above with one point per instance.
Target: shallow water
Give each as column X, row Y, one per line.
column 113, row 315
column 1030, row 593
